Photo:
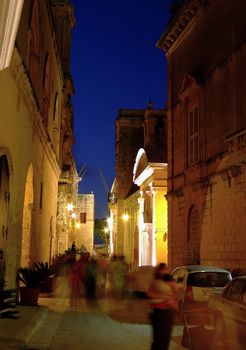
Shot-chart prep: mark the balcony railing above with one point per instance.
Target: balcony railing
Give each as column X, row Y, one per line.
column 236, row 141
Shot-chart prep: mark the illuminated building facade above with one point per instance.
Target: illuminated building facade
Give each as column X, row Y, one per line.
column 138, row 216
column 206, row 52
column 85, row 219
column 36, row 133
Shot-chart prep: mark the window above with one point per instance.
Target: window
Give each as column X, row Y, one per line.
column 175, row 275
column 236, row 291
column 208, row 279
column 82, row 218
column 34, row 41
column 193, row 136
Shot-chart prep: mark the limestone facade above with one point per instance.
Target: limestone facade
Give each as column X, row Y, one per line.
column 138, row 211
column 36, row 136
column 84, row 232
column 206, row 52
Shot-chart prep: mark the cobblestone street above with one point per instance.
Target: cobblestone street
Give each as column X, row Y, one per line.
column 107, row 325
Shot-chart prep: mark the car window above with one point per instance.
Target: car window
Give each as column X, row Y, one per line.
column 236, row 291
column 208, row 279
column 181, row 276
column 175, row 274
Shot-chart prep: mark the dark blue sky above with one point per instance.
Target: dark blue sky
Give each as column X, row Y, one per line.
column 115, row 65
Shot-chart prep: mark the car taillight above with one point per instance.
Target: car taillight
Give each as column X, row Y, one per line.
column 188, row 294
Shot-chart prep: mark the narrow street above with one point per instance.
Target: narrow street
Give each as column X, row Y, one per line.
column 107, row 325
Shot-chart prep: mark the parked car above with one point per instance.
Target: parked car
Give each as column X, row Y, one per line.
column 196, row 283
column 228, row 312
column 139, row 279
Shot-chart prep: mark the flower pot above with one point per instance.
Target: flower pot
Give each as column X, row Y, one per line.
column 29, row 296
column 47, row 285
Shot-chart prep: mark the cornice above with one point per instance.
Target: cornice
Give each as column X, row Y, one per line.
column 179, row 24
column 148, row 172
column 61, row 8
column 24, row 87
column 53, row 36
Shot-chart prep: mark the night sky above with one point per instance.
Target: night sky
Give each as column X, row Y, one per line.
column 115, row 65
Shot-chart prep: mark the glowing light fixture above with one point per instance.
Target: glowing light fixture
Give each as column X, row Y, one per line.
column 125, row 216
column 70, row 206
column 73, row 215
column 77, row 225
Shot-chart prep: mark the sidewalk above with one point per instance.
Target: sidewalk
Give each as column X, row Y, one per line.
column 14, row 333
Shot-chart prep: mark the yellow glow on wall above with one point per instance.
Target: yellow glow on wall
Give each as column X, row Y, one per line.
column 161, row 227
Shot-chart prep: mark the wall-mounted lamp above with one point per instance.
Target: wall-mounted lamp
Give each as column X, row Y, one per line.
column 125, row 216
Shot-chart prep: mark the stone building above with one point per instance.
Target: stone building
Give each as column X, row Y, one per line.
column 36, row 134
column 84, row 233
column 206, row 53
column 138, row 211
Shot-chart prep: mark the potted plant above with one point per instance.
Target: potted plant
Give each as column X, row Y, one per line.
column 31, row 280
column 46, row 272
column 7, row 302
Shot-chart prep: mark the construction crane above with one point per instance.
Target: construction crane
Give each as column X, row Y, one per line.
column 111, row 195
column 82, row 172
column 103, row 181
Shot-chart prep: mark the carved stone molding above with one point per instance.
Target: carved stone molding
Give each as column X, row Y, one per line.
column 178, row 24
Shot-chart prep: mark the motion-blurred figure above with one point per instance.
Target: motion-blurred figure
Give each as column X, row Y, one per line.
column 163, row 295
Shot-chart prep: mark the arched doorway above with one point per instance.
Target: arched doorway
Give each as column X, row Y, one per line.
column 27, row 219
column 4, row 209
column 193, row 237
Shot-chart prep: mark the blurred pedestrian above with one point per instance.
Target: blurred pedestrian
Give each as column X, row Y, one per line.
column 76, row 279
column 73, row 248
column 102, row 263
column 118, row 271
column 163, row 297
column 90, row 280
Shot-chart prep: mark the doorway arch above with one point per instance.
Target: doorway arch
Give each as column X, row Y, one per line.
column 27, row 219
